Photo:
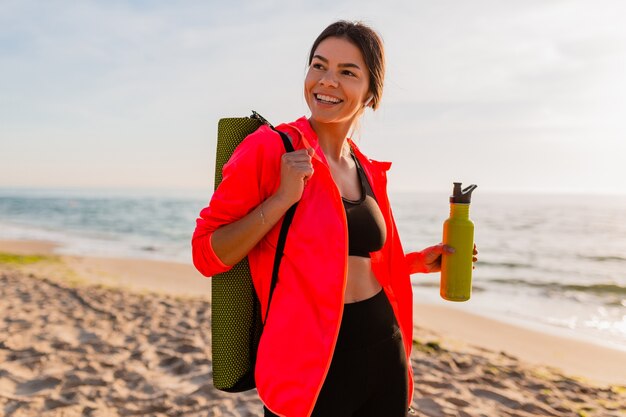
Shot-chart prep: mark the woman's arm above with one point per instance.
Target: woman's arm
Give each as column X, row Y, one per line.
column 238, row 216
column 232, row 242
column 429, row 259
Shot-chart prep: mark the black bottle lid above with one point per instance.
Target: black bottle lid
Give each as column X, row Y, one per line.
column 462, row 196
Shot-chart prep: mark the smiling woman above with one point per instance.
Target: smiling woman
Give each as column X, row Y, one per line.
column 336, row 87
column 369, row 49
column 339, row 336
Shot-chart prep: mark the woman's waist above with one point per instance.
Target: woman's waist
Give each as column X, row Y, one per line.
column 361, row 283
column 366, row 322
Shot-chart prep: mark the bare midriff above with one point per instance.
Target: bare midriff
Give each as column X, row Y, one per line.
column 361, row 283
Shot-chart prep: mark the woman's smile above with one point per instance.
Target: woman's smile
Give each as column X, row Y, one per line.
column 327, row 99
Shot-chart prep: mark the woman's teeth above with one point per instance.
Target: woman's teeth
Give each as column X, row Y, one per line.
column 327, row 99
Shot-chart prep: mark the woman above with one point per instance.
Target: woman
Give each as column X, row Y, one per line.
column 339, row 336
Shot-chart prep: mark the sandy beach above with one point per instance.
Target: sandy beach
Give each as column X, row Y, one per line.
column 87, row 336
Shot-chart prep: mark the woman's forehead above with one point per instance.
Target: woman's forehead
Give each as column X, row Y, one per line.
column 339, row 50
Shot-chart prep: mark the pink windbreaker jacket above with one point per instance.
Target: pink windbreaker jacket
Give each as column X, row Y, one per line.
column 299, row 337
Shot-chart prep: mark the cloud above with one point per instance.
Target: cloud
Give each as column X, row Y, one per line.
column 113, row 80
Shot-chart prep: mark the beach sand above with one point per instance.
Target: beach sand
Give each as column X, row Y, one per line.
column 87, row 336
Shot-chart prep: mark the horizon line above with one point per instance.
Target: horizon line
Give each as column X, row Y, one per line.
column 209, row 189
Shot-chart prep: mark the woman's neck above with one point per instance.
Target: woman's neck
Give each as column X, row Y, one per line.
column 331, row 138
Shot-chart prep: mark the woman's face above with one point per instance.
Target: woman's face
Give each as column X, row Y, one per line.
column 336, row 86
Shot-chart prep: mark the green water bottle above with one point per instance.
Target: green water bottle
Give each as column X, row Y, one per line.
column 458, row 232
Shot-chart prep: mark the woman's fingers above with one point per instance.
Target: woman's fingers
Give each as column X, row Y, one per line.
column 296, row 169
column 449, row 249
column 300, row 162
column 303, row 166
column 300, row 154
column 432, row 255
column 437, row 250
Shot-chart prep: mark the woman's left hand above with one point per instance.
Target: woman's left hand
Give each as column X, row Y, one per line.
column 429, row 259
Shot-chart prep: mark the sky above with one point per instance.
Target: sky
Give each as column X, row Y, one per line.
column 514, row 96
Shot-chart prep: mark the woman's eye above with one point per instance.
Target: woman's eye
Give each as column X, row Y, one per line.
column 317, row 66
column 349, row 73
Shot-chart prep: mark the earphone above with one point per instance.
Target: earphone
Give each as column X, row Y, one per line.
column 369, row 101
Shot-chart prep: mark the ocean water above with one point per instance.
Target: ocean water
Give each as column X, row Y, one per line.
column 555, row 263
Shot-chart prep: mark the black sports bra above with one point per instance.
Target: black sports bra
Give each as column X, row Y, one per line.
column 366, row 225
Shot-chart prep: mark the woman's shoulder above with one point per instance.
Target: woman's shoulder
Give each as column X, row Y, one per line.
column 258, row 146
column 267, row 138
column 364, row 159
column 264, row 138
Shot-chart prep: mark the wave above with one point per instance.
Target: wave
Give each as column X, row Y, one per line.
column 598, row 289
column 475, row 288
column 605, row 258
column 510, row 265
column 426, row 284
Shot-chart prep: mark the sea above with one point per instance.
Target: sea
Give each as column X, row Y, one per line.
column 550, row 262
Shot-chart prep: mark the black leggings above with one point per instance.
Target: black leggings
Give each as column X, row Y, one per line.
column 368, row 373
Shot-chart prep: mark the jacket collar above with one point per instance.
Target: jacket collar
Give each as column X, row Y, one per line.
column 303, row 131
column 307, row 137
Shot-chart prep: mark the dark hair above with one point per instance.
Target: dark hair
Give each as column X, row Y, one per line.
column 371, row 46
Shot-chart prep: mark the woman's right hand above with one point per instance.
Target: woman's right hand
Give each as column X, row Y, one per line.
column 295, row 170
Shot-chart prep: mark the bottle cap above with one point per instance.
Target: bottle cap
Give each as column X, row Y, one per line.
column 462, row 196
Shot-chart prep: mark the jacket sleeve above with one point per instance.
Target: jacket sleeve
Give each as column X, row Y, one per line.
column 253, row 163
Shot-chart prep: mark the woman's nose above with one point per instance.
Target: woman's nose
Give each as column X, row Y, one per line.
column 328, row 80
